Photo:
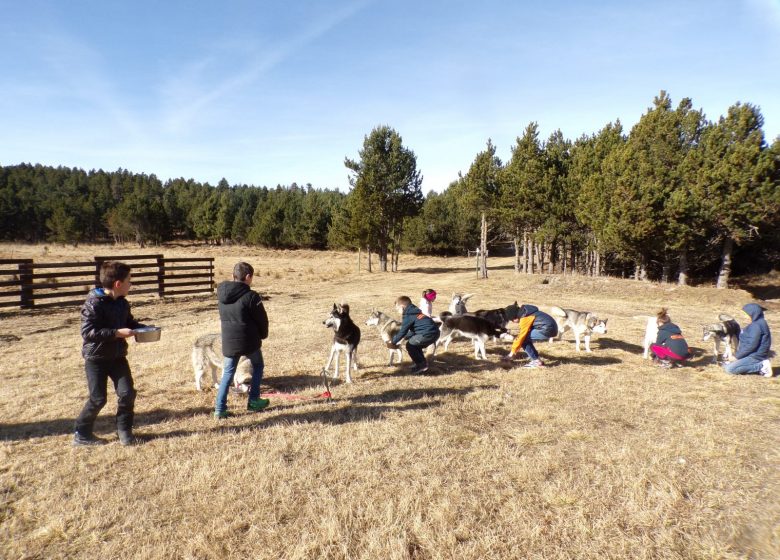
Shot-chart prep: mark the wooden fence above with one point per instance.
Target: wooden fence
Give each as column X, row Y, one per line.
column 30, row 285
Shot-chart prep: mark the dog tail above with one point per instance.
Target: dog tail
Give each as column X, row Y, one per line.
column 557, row 311
column 725, row 317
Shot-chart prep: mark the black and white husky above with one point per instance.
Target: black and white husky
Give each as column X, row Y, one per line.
column 207, row 357
column 500, row 318
column 581, row 323
column 476, row 328
column 725, row 331
column 388, row 328
column 346, row 338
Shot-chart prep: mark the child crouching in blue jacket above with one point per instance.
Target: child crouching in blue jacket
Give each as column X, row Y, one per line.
column 754, row 341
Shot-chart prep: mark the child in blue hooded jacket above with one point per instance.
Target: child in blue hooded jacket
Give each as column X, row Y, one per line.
column 752, row 354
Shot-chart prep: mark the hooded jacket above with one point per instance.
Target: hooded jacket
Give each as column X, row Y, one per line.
column 755, row 339
column 243, row 317
column 670, row 335
column 415, row 322
column 532, row 319
column 101, row 317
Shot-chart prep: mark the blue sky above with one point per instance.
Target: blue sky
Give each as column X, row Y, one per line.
column 271, row 92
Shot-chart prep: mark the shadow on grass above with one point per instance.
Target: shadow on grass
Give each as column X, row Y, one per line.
column 449, row 269
column 103, row 425
column 588, row 360
column 394, row 395
column 605, row 342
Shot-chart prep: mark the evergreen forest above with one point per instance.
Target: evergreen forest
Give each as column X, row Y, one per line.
column 676, row 197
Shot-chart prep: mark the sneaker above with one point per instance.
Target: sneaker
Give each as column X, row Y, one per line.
column 666, row 364
column 256, row 405
column 534, row 364
column 80, row 440
column 420, row 368
column 222, row 414
column 766, row 368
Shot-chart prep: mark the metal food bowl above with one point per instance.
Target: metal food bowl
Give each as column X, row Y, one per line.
column 147, row 334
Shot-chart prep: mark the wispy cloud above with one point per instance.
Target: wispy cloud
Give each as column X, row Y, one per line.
column 187, row 109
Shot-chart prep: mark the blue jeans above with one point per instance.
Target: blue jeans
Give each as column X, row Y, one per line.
column 229, row 371
column 748, row 364
column 538, row 336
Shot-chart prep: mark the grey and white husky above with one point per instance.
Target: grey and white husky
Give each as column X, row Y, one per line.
column 457, row 307
column 346, row 338
column 582, row 323
column 207, row 356
column 387, row 328
column 725, row 331
column 475, row 328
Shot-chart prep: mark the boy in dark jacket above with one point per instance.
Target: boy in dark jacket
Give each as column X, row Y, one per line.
column 419, row 330
column 244, row 327
column 106, row 322
column 534, row 325
column 754, row 341
column 670, row 346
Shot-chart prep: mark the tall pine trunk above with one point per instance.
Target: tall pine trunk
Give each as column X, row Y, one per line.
column 368, row 255
column 725, row 265
column 526, row 252
column 483, row 273
column 682, row 279
column 516, row 243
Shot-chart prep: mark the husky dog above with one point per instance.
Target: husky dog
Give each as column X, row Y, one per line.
column 651, row 333
column 346, row 338
column 205, row 357
column 725, row 331
column 476, row 328
column 388, row 328
column 457, row 307
column 581, row 323
column 500, row 317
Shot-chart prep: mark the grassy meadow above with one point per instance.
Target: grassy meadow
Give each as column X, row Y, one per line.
column 598, row 455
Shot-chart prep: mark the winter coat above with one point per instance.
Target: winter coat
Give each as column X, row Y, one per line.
column 755, row 339
column 243, row 317
column 532, row 319
column 670, row 335
column 415, row 322
column 101, row 317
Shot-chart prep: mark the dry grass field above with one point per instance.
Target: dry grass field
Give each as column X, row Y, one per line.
column 599, row 455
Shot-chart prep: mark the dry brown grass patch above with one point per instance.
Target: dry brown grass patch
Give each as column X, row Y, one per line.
column 597, row 456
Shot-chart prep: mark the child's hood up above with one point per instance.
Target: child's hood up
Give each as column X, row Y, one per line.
column 754, row 310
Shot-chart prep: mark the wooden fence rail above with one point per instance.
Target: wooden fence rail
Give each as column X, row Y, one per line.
column 24, row 283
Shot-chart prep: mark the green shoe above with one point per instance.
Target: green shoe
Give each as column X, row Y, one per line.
column 256, row 405
column 222, row 414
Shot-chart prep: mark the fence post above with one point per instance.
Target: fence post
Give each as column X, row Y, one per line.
column 161, row 276
column 25, row 283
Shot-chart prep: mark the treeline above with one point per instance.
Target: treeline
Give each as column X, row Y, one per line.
column 40, row 203
column 676, row 196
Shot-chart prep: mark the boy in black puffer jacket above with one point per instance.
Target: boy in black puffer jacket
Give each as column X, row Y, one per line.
column 670, row 346
column 106, row 322
column 244, row 327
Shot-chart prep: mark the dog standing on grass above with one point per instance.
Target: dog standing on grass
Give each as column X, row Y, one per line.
column 388, row 328
column 346, row 337
column 206, row 358
column 725, row 331
column 581, row 323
